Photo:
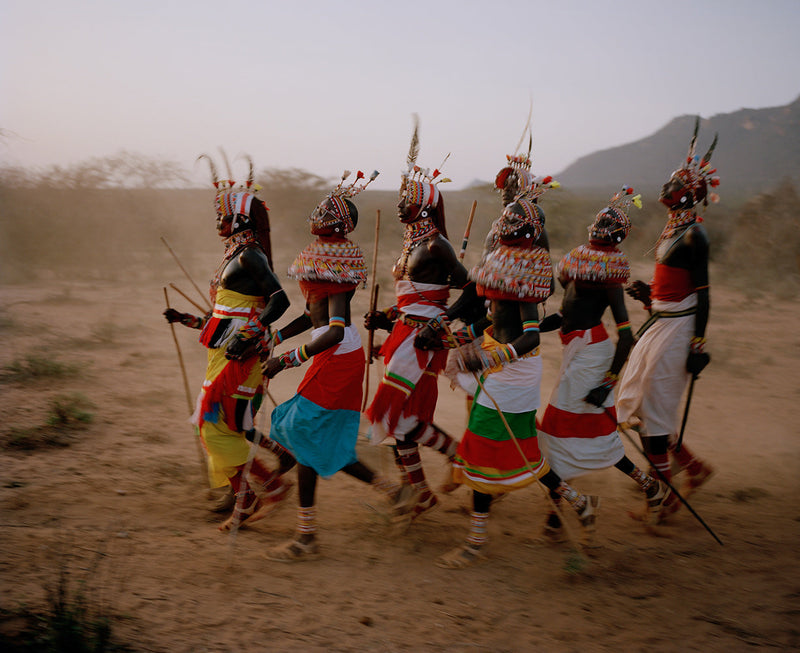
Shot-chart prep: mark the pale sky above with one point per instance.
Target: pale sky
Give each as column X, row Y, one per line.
column 328, row 85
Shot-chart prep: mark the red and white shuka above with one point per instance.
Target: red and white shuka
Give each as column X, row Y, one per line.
column 576, row 436
column 408, row 391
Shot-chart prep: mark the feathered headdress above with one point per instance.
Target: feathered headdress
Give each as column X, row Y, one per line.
column 420, row 185
column 696, row 173
column 614, row 218
column 518, row 165
column 240, row 202
column 333, row 209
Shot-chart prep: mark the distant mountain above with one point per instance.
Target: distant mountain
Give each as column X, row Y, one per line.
column 757, row 149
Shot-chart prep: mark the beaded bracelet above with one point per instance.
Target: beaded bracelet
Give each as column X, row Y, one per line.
column 610, row 380
column 465, row 334
column 251, row 329
column 499, row 356
column 294, row 357
column 191, row 321
column 277, row 337
column 439, row 323
column 623, row 326
column 697, row 345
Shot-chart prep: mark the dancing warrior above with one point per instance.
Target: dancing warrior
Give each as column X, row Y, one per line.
column 578, row 429
column 499, row 452
column 671, row 343
column 404, row 403
column 247, row 297
column 319, row 425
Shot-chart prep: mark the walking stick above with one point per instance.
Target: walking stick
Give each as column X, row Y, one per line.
column 467, row 230
column 187, row 298
column 545, row 490
column 373, row 305
column 187, row 390
column 164, row 240
column 661, row 476
column 685, row 412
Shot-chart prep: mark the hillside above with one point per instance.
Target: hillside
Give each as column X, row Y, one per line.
column 757, row 149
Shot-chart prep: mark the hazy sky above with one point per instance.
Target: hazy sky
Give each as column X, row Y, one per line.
column 327, row 85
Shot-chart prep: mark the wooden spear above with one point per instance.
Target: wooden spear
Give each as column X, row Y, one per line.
column 187, row 298
column 467, row 230
column 373, row 306
column 188, row 276
column 188, row 392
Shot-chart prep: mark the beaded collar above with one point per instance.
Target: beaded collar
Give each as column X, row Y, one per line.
column 515, row 273
column 595, row 263
column 415, row 234
column 677, row 221
column 338, row 260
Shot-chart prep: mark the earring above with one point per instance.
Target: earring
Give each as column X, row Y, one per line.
column 336, row 230
column 424, row 214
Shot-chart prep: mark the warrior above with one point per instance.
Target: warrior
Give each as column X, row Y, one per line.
column 671, row 344
column 578, row 430
column 499, row 452
column 319, row 425
column 403, row 405
column 246, row 297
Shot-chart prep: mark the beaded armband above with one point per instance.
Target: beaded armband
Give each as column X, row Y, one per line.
column 336, row 322
column 623, row 326
column 277, row 337
column 610, row 380
column 697, row 345
column 530, row 326
column 294, row 357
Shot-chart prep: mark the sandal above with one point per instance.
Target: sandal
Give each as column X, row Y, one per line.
column 293, row 551
column 461, row 557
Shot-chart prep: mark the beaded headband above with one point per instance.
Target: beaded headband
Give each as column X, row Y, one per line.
column 616, row 213
column 337, row 212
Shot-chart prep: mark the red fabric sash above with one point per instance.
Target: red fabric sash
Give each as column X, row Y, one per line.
column 671, row 284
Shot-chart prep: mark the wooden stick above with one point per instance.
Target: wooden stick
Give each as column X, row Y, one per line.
column 467, row 230
column 373, row 305
column 189, row 401
column 200, row 292
column 187, row 298
column 528, row 465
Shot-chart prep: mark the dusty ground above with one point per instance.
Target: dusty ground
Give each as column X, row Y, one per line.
column 124, row 511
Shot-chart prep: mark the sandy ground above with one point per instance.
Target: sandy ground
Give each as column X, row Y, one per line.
column 124, row 511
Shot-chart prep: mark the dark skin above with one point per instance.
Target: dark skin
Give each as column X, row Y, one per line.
column 247, row 273
column 582, row 308
column 319, row 313
column 687, row 250
column 433, row 261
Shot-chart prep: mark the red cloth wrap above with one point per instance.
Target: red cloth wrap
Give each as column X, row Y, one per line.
column 671, row 284
column 335, row 382
column 316, row 291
